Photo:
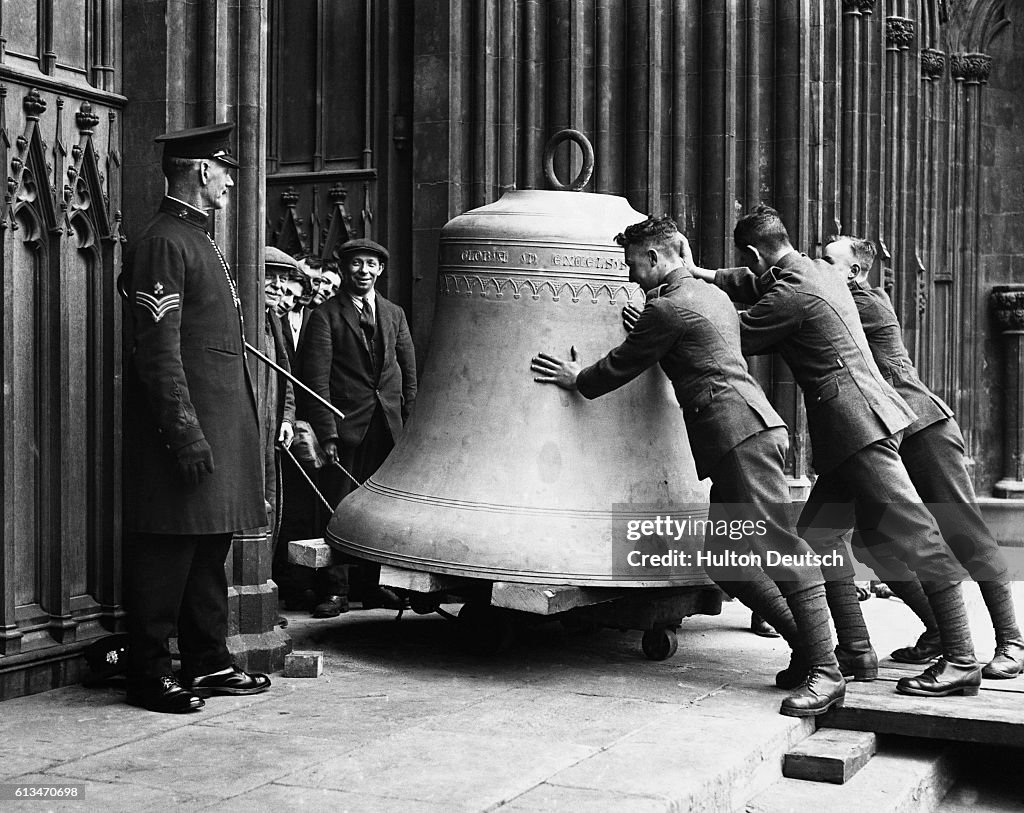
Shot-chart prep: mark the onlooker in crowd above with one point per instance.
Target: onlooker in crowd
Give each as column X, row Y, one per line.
column 296, row 318
column 277, row 413
column 359, row 356
column 302, row 515
column 325, row 279
column 933, row 453
column 192, row 446
column 803, row 310
column 737, row 439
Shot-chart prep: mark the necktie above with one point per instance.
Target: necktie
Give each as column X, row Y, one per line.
column 368, row 326
column 366, row 321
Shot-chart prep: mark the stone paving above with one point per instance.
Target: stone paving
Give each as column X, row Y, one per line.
column 404, row 720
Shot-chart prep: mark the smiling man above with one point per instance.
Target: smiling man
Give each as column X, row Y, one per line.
column 359, row 356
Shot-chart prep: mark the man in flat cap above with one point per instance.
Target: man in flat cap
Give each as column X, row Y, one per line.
column 358, row 355
column 277, row 407
column 192, row 447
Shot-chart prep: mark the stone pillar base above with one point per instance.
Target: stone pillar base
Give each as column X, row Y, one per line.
column 799, row 488
column 260, row 652
column 1009, row 489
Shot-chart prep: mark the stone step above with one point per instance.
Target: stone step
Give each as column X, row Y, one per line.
column 906, row 775
column 688, row 760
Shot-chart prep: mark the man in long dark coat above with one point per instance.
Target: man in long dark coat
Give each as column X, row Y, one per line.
column 194, row 474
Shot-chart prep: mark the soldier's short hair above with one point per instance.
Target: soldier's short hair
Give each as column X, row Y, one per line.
column 660, row 231
column 863, row 250
column 762, row 228
column 176, row 169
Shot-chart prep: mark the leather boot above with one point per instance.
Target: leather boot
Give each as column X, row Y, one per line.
column 759, row 626
column 857, row 660
column 943, row 678
column 824, row 688
column 1008, row 661
column 794, row 674
column 927, row 648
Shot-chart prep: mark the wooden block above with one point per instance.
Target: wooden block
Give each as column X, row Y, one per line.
column 417, row 581
column 830, row 756
column 308, row 664
column 548, row 599
column 993, row 717
column 314, row 553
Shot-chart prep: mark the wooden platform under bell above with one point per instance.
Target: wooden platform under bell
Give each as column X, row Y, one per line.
column 994, row 717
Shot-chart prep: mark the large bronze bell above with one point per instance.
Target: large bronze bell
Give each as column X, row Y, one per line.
column 497, row 477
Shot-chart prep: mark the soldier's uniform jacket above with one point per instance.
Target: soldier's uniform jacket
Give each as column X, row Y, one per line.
column 186, row 379
column 691, row 329
column 882, row 328
column 805, row 312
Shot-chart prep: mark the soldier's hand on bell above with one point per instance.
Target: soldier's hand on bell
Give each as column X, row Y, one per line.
column 195, row 461
column 557, row 371
column 330, row 448
column 630, row 315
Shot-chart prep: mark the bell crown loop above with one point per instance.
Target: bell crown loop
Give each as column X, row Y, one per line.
column 585, row 173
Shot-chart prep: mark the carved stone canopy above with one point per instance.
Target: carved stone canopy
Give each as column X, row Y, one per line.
column 899, row 31
column 970, row 67
column 933, row 63
column 1008, row 306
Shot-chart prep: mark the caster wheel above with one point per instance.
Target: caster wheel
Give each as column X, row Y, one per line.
column 659, row 643
column 485, row 630
column 423, row 603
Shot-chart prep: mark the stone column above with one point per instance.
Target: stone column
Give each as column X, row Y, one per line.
column 1008, row 306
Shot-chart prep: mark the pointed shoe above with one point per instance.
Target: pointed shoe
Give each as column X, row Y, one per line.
column 793, row 675
column 1008, row 662
column 927, row 648
column 943, row 678
column 824, row 688
column 234, row 682
column 857, row 661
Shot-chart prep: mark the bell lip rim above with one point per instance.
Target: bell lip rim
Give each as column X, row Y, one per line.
column 489, row 574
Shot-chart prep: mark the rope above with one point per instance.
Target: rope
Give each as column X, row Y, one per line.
column 312, row 485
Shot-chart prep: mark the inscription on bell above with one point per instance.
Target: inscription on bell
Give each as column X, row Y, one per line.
column 478, row 255
column 535, row 258
column 587, row 261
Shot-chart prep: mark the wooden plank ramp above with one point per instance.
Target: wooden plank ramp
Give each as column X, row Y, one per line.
column 994, row 717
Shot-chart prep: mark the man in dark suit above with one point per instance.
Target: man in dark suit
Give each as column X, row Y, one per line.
column 300, row 507
column 295, row 321
column 737, row 439
column 359, row 356
column 804, row 311
column 933, row 454
column 192, row 447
